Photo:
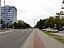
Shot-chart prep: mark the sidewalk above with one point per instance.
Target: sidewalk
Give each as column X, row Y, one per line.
column 37, row 41
column 48, row 41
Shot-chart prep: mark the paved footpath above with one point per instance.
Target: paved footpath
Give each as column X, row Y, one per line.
column 38, row 39
column 48, row 41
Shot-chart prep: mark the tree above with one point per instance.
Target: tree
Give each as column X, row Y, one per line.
column 27, row 25
column 40, row 24
column 21, row 25
column 2, row 24
column 10, row 25
column 62, row 22
column 57, row 21
column 15, row 25
column 49, row 22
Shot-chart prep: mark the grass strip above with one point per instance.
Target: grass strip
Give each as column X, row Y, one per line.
column 2, row 30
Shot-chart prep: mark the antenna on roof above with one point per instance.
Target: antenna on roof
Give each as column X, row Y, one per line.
column 4, row 2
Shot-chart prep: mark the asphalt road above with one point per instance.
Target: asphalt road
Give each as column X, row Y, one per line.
column 14, row 39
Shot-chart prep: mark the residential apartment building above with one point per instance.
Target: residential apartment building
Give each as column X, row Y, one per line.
column 8, row 14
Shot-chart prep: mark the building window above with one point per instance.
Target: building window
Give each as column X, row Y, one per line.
column 2, row 13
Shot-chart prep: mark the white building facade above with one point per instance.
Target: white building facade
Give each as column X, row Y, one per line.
column 8, row 14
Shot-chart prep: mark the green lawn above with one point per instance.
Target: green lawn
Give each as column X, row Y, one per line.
column 1, row 30
column 58, row 38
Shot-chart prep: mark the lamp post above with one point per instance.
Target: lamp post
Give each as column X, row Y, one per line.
column 34, row 22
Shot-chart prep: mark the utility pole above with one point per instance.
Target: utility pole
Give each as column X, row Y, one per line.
column 34, row 22
column 4, row 2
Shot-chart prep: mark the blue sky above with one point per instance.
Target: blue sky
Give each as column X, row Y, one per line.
column 30, row 10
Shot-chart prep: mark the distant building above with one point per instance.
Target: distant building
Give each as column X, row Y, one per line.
column 8, row 14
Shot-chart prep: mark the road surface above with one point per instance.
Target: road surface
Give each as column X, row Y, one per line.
column 38, row 39
column 28, row 38
column 14, row 39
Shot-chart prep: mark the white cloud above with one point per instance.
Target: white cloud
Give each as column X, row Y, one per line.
column 35, row 9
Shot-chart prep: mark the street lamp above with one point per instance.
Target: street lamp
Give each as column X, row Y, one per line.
column 34, row 21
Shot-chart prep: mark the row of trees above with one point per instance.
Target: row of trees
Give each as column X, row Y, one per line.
column 16, row 25
column 21, row 25
column 52, row 22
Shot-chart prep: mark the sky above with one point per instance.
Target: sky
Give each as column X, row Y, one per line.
column 32, row 11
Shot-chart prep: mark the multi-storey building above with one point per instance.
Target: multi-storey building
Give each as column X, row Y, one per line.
column 8, row 14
